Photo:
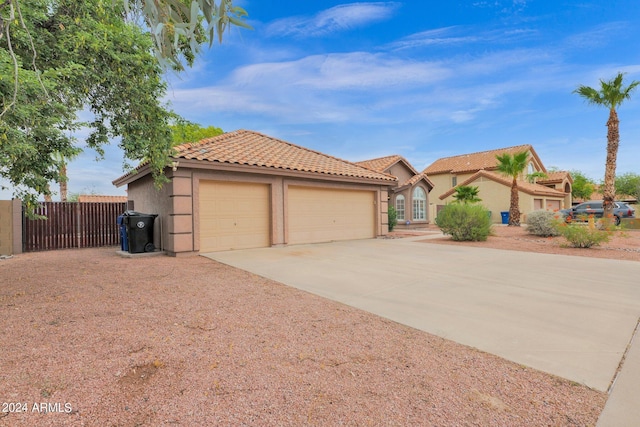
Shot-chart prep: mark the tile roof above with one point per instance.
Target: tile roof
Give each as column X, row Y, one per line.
column 557, row 176
column 90, row 198
column 474, row 161
column 244, row 147
column 381, row 164
column 415, row 179
column 524, row 186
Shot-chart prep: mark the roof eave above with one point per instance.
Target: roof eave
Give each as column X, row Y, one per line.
column 134, row 175
column 550, row 192
column 263, row 170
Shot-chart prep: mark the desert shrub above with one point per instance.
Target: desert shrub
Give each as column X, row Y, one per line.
column 583, row 235
column 393, row 217
column 542, row 223
column 464, row 222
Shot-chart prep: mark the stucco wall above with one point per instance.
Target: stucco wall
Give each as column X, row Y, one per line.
column 400, row 171
column 10, row 227
column 441, row 184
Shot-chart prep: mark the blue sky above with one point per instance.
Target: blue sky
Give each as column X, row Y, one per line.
column 423, row 79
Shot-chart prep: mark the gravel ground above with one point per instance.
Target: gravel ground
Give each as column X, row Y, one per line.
column 624, row 245
column 94, row 339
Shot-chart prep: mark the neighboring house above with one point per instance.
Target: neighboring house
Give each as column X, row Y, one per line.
column 480, row 170
column 597, row 195
column 410, row 196
column 243, row 189
column 92, row 198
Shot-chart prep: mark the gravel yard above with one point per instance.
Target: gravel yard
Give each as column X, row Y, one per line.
column 624, row 245
column 102, row 340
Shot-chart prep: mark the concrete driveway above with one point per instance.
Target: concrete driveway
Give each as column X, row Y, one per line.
column 568, row 316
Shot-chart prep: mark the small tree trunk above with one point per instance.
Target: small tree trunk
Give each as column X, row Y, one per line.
column 514, row 209
column 613, row 141
column 63, row 183
column 47, row 196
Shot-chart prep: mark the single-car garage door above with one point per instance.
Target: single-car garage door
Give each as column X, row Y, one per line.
column 322, row 215
column 553, row 205
column 233, row 216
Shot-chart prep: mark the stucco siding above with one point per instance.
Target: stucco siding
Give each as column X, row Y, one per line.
column 400, row 171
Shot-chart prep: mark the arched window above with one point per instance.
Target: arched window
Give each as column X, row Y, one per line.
column 419, row 204
column 400, row 207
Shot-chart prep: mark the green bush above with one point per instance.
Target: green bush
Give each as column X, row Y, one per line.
column 464, row 222
column 583, row 235
column 393, row 217
column 542, row 223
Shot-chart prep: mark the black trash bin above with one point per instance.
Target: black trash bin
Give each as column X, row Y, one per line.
column 139, row 231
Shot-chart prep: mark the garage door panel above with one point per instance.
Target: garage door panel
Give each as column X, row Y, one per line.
column 322, row 215
column 553, row 205
column 234, row 216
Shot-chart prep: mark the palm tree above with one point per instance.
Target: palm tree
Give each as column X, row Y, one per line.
column 60, row 162
column 63, row 179
column 513, row 166
column 534, row 176
column 467, row 194
column 610, row 95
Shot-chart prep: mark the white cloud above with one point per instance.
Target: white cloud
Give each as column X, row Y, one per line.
column 459, row 36
column 319, row 88
column 503, row 6
column 333, row 20
column 365, row 87
column 350, row 71
column 598, row 36
column 434, row 37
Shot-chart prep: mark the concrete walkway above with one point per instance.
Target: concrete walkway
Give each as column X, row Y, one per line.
column 623, row 406
column 568, row 316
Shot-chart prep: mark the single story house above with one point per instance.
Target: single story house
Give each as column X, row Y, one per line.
column 94, row 198
column 480, row 170
column 410, row 196
column 244, row 189
column 597, row 195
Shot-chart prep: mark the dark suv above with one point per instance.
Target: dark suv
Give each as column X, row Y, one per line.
column 584, row 210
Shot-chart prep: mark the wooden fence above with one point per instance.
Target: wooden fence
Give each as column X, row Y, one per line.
column 67, row 225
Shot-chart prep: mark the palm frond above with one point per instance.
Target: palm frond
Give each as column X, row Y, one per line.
column 611, row 93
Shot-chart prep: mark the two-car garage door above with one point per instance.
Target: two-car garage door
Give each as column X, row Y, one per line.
column 238, row 215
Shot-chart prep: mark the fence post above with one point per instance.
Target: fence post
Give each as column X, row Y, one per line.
column 78, row 219
column 17, row 225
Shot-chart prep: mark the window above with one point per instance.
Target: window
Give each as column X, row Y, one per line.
column 454, row 181
column 400, row 207
column 419, row 204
